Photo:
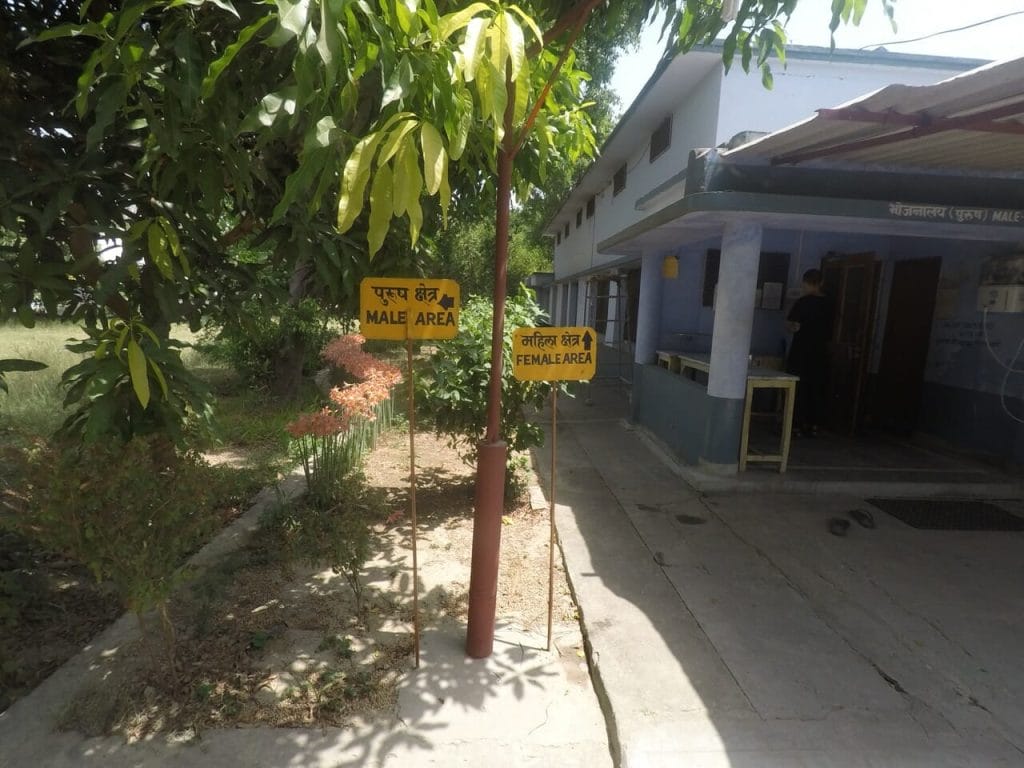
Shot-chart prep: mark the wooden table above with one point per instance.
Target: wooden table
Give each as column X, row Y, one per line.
column 757, row 378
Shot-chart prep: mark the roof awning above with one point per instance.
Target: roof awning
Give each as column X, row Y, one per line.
column 702, row 216
column 972, row 123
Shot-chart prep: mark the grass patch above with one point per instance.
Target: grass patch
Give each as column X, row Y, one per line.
column 33, row 405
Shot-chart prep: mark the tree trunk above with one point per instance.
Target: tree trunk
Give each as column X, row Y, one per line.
column 286, row 372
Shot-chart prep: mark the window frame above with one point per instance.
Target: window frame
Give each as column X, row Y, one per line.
column 666, row 126
column 619, row 180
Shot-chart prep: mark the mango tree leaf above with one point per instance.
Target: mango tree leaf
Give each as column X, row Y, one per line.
column 329, row 42
column 157, row 241
column 26, row 316
column 528, row 20
column 293, row 15
column 473, row 46
column 220, row 64
column 522, row 93
column 17, row 365
column 174, row 243
column 516, row 44
column 353, row 180
column 159, row 376
column 137, row 371
column 434, row 157
column 497, row 39
column 397, row 135
column 451, row 23
column 381, row 194
column 400, row 82
column 463, row 123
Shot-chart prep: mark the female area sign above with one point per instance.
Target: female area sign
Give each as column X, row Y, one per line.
column 553, row 354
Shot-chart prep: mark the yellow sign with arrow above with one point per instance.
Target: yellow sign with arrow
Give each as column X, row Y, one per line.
column 554, row 354
column 399, row 308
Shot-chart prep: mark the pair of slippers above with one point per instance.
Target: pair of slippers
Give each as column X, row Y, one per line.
column 839, row 526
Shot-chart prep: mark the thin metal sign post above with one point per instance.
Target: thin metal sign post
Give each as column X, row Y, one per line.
column 551, row 513
column 553, row 355
column 412, row 501
column 399, row 309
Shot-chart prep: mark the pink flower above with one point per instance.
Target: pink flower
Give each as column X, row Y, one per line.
column 323, row 423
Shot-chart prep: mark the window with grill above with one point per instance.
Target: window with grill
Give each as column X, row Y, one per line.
column 579, row 218
column 619, row 180
column 567, row 230
column 661, row 139
column 558, row 239
column 590, row 208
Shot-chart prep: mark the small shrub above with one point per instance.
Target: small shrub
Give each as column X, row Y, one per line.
column 130, row 512
column 132, row 383
column 453, row 382
column 252, row 342
column 337, row 535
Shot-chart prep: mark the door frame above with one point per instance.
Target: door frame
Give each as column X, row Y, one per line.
column 836, row 269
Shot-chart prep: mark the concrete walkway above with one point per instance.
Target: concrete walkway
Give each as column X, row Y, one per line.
column 734, row 630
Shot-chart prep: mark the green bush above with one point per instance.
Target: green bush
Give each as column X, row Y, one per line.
column 337, row 535
column 130, row 384
column 452, row 383
column 252, row 342
column 131, row 512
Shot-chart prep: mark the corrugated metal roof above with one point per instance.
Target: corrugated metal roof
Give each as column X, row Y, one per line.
column 973, row 122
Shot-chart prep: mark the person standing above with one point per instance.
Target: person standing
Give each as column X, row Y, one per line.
column 810, row 322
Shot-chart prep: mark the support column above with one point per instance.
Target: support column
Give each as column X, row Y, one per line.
column 730, row 342
column 650, row 309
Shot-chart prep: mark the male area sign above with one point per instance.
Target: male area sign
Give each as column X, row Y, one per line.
column 554, row 354
column 399, row 308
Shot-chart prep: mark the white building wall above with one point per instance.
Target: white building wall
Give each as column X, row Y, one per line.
column 693, row 125
column 710, row 113
column 803, row 86
column 575, row 253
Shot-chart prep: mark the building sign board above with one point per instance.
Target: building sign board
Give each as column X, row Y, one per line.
column 400, row 308
column 953, row 213
column 554, row 354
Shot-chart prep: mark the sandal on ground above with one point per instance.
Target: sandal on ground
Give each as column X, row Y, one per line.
column 837, row 526
column 864, row 518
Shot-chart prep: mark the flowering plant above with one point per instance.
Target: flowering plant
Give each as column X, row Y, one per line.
column 331, row 441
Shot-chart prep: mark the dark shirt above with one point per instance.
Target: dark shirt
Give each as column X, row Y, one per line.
column 810, row 343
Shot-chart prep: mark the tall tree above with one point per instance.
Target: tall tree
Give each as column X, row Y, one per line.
column 405, row 96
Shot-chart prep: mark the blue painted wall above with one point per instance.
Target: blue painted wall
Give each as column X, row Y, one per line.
column 970, row 399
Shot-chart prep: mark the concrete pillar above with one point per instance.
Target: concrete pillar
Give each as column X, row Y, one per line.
column 730, row 345
column 734, row 310
column 650, row 309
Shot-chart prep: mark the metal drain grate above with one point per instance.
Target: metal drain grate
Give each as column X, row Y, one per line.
column 950, row 514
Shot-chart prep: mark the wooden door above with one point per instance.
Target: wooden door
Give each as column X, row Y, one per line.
column 896, row 400
column 852, row 284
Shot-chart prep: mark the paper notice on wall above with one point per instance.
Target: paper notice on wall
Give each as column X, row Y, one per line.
column 771, row 296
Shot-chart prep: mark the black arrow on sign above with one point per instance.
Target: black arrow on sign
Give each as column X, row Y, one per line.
column 587, row 341
column 446, row 302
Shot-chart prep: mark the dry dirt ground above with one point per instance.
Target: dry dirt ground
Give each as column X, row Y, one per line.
column 264, row 641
